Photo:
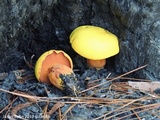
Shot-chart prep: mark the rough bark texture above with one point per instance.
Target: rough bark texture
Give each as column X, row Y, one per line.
column 139, row 36
column 30, row 27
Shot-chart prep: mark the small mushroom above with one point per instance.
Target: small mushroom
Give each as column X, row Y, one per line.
column 94, row 43
column 63, row 77
column 48, row 60
column 55, row 72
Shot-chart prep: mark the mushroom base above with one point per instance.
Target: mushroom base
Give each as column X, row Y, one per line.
column 96, row 63
column 54, row 75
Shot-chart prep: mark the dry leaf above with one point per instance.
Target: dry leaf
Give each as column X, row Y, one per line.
column 145, row 86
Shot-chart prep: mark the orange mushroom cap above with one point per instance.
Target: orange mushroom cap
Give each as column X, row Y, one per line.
column 48, row 60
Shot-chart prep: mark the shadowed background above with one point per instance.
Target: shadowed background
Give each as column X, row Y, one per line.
column 30, row 27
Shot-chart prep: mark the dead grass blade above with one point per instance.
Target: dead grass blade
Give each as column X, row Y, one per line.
column 114, row 78
column 32, row 98
column 19, row 107
column 45, row 111
column 55, row 108
column 59, row 113
column 135, row 79
column 118, row 109
column 8, row 105
column 69, row 109
column 29, row 64
column 136, row 115
column 143, row 109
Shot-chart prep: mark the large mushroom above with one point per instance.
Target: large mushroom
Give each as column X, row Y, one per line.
column 53, row 62
column 94, row 43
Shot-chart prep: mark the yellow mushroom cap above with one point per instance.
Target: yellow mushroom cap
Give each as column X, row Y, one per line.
column 94, row 42
column 48, row 60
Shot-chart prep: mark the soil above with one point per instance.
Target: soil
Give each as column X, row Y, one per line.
column 99, row 98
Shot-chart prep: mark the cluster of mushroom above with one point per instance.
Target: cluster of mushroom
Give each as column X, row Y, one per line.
column 92, row 42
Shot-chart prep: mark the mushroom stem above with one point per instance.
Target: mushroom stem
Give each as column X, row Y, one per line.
column 54, row 74
column 96, row 63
